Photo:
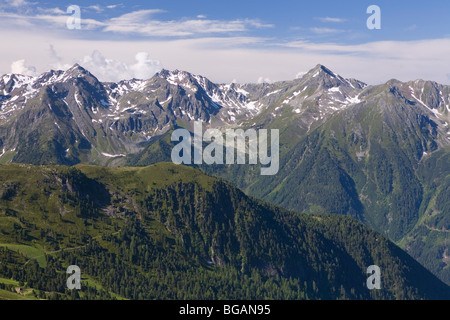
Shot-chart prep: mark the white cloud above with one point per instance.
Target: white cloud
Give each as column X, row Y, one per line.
column 54, row 11
column 300, row 74
column 142, row 22
column 17, row 3
column 19, row 67
column 144, row 67
column 264, row 80
column 398, row 50
column 137, row 23
column 57, row 61
column 53, row 19
column 325, row 30
column 53, row 54
column 96, row 8
column 115, row 70
column 331, row 19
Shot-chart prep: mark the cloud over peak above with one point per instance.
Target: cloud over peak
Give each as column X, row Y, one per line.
column 115, row 70
column 19, row 67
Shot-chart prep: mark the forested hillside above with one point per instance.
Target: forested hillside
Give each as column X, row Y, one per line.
column 172, row 232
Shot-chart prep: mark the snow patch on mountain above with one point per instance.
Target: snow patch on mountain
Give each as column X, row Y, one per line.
column 437, row 113
column 334, row 89
column 353, row 100
column 112, row 155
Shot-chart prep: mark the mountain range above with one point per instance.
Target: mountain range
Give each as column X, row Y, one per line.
column 171, row 232
column 377, row 153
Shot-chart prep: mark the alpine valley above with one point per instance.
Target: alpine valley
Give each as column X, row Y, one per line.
column 86, row 179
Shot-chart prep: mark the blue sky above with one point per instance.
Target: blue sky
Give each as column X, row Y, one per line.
column 244, row 41
column 290, row 19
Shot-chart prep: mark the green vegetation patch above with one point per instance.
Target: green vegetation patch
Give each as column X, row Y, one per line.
column 28, row 251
